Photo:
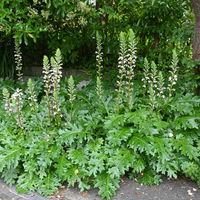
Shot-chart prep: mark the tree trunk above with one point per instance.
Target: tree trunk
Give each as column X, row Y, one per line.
column 196, row 38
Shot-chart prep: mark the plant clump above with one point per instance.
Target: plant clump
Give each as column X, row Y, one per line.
column 51, row 133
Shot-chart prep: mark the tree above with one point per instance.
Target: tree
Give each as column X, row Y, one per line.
column 196, row 38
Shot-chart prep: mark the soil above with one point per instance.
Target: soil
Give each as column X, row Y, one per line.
column 181, row 189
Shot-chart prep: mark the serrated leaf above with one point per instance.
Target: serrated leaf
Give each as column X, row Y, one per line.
column 62, row 164
column 122, row 159
column 73, row 136
column 187, row 122
column 26, row 182
column 9, row 157
column 114, row 172
column 48, row 185
column 114, row 121
column 137, row 117
column 138, row 165
column 138, row 142
column 10, row 175
column 107, row 185
column 187, row 149
column 78, row 156
column 150, row 178
column 116, row 136
column 191, row 169
column 159, row 146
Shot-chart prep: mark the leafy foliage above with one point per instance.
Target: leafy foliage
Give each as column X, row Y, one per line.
column 44, row 25
column 90, row 144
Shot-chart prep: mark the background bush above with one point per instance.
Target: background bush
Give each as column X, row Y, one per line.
column 42, row 26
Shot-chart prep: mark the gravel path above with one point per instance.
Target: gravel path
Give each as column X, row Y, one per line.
column 181, row 189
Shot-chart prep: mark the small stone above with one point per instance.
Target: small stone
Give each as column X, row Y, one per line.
column 194, row 189
column 190, row 193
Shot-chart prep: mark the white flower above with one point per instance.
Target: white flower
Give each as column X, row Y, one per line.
column 170, row 134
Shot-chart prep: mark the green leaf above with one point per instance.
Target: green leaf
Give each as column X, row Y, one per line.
column 9, row 157
column 161, row 148
column 139, row 164
column 78, row 156
column 78, row 175
column 116, row 136
column 10, row 175
column 26, row 182
column 120, row 162
column 150, row 178
column 61, row 166
column 114, row 121
column 75, row 135
column 191, row 169
column 107, row 185
column 186, row 148
column 187, row 122
column 137, row 117
column 139, row 142
column 48, row 185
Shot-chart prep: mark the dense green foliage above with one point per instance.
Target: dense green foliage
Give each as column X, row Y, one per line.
column 42, row 26
column 52, row 132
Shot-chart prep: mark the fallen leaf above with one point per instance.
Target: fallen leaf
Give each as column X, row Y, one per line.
column 51, row 197
column 137, row 193
column 76, row 171
column 62, row 195
column 85, row 193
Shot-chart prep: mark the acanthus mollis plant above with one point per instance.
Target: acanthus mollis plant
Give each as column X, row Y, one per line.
column 131, row 63
column 122, row 60
column 13, row 106
column 32, row 98
column 99, row 65
column 126, row 65
column 153, row 86
column 71, row 90
column 96, row 150
column 161, row 85
column 47, row 85
column 7, row 101
column 154, row 80
column 150, row 83
column 99, row 55
column 56, row 69
column 17, row 106
column 52, row 71
column 146, row 74
column 18, row 60
column 173, row 74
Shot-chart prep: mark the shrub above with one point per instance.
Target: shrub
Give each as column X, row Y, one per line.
column 60, row 134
